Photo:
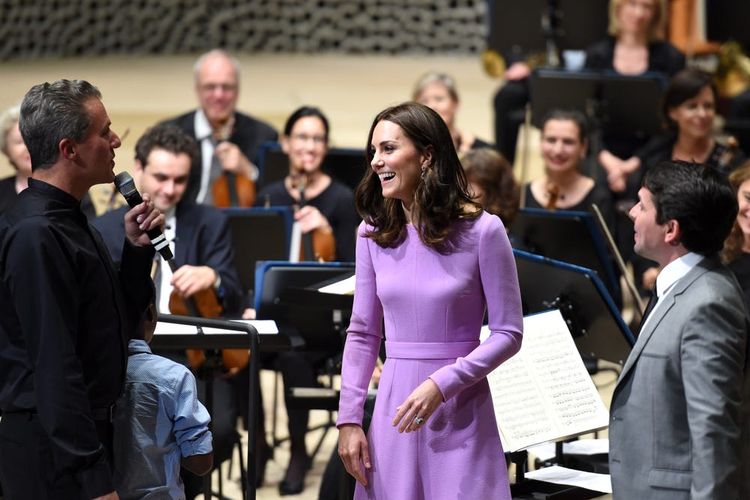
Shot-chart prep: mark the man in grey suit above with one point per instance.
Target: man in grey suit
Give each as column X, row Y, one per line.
column 678, row 415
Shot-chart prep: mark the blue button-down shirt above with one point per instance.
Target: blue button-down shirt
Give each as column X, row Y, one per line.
column 157, row 421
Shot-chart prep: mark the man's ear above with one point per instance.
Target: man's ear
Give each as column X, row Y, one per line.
column 674, row 233
column 67, row 149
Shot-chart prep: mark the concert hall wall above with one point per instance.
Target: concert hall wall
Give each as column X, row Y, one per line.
column 70, row 28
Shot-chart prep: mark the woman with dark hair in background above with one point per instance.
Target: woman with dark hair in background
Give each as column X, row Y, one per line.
column 563, row 186
column 429, row 263
column 328, row 204
column 491, row 183
column 689, row 110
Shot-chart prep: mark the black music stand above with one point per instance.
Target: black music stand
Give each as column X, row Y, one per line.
column 258, row 234
column 727, row 20
column 286, row 293
column 592, row 317
column 615, row 104
column 567, row 236
column 520, row 28
column 344, row 164
column 220, row 334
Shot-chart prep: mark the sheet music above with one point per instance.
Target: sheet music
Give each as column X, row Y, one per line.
column 544, row 392
column 343, row 287
column 263, row 326
column 561, row 475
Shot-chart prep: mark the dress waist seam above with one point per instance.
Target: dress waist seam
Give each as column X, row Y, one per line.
column 429, row 350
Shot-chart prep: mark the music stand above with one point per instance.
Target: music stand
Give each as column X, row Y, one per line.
column 567, row 236
column 727, row 21
column 592, row 317
column 258, row 234
column 516, row 27
column 343, row 164
column 311, row 324
column 218, row 334
column 615, row 104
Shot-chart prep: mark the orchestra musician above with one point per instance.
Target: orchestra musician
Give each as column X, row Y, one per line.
column 228, row 139
column 325, row 209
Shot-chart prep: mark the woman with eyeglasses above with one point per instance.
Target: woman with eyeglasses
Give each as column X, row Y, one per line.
column 325, row 205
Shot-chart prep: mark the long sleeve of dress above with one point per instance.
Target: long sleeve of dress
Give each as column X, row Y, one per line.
column 363, row 337
column 499, row 277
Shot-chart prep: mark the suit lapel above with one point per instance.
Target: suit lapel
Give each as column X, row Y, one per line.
column 183, row 235
column 665, row 305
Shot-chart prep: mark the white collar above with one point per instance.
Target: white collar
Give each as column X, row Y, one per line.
column 203, row 129
column 675, row 270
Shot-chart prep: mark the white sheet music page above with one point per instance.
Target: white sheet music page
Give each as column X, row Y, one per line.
column 343, row 287
column 544, row 392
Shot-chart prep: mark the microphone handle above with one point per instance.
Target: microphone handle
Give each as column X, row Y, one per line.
column 133, row 198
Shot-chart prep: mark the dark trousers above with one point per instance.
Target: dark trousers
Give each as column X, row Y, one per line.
column 510, row 102
column 27, row 469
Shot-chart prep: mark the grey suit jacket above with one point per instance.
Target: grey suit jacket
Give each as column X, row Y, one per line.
column 677, row 428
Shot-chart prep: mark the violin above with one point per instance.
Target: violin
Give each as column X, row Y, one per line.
column 205, row 304
column 231, row 189
column 319, row 244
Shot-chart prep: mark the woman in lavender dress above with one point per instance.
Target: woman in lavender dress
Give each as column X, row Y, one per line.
column 430, row 262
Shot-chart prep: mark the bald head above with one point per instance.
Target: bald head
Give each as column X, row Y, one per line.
column 217, row 79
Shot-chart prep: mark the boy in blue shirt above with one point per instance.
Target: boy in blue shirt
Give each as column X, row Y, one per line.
column 159, row 424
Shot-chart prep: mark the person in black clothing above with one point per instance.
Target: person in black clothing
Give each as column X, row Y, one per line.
column 563, row 186
column 328, row 208
column 12, row 146
column 228, row 139
column 634, row 47
column 66, row 314
column 328, row 204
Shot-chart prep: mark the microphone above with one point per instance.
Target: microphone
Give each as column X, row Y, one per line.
column 126, row 186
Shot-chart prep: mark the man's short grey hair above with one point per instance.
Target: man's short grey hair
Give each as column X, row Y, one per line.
column 213, row 53
column 51, row 112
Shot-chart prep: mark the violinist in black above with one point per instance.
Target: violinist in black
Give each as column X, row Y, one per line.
column 66, row 313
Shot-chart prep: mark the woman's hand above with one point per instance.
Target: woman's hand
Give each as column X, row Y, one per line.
column 517, row 71
column 354, row 452
column 418, row 407
column 310, row 218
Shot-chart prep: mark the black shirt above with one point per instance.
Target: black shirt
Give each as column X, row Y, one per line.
column 65, row 320
column 336, row 203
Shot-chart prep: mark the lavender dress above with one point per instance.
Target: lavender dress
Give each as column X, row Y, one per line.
column 433, row 306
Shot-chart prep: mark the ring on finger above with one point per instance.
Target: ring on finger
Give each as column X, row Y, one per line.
column 418, row 420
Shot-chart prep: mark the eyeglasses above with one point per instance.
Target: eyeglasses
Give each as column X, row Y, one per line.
column 213, row 87
column 317, row 139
